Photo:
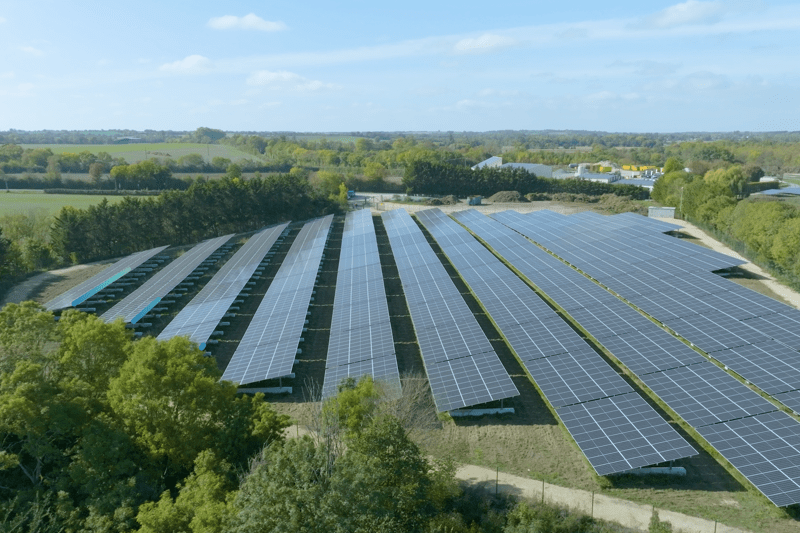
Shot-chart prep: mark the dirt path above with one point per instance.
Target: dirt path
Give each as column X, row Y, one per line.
column 624, row 512
column 47, row 285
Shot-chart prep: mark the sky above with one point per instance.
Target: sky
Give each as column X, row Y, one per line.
column 619, row 66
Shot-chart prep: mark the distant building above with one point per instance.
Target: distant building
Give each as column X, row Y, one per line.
column 493, row 161
column 542, row 171
column 601, row 178
column 647, row 184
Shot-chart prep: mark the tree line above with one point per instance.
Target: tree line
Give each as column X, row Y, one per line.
column 423, row 177
column 208, row 208
column 764, row 229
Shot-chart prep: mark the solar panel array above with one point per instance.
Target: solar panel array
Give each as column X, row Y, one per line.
column 754, row 335
column 566, row 369
column 137, row 304
column 269, row 346
column 200, row 317
column 82, row 292
column 757, row 439
column 463, row 368
column 361, row 333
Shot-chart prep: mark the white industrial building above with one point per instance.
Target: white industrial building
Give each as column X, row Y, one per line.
column 542, row 171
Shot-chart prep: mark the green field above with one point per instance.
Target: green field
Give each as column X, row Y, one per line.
column 133, row 153
column 12, row 203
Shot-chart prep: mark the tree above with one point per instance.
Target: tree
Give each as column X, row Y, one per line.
column 169, row 397
column 375, row 172
column 10, row 259
column 96, row 171
column 673, row 164
column 234, row 171
column 387, row 483
column 220, row 163
column 209, row 135
column 201, row 505
column 385, row 480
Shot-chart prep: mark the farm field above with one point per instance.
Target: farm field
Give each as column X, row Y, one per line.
column 25, row 202
column 133, row 153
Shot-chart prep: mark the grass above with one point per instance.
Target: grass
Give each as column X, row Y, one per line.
column 133, row 153
column 14, row 202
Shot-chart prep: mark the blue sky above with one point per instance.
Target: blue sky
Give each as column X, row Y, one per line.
column 401, row 66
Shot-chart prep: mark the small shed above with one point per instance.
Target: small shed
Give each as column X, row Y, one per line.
column 660, row 212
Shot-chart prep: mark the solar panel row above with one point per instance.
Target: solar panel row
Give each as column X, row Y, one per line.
column 361, row 333
column 462, row 367
column 720, row 317
column 83, row 291
column 269, row 346
column 139, row 302
column 567, row 370
column 199, row 318
column 759, row 441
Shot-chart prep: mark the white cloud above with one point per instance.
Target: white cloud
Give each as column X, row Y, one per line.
column 247, row 22
column 21, row 90
column 609, row 96
column 496, row 92
column 285, row 79
column 2, row 20
column 32, row 51
column 7, row 75
column 689, row 12
column 485, row 42
column 194, row 64
column 266, row 77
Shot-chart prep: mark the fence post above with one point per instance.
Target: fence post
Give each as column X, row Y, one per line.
column 592, row 504
column 543, row 492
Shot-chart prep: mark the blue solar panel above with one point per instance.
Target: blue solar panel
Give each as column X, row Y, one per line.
column 82, row 292
column 200, row 317
column 143, row 299
column 463, row 369
column 361, row 333
column 269, row 346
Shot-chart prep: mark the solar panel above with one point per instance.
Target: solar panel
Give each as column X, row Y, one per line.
column 769, row 365
column 780, row 327
column 715, row 331
column 790, row 399
column 649, row 351
column 575, row 377
column 765, row 449
column 569, row 372
column 269, row 345
column 622, row 433
column 463, row 369
column 704, row 394
column 361, row 332
column 142, row 300
column 200, row 317
column 83, row 291
column 761, row 442
column 382, row 369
